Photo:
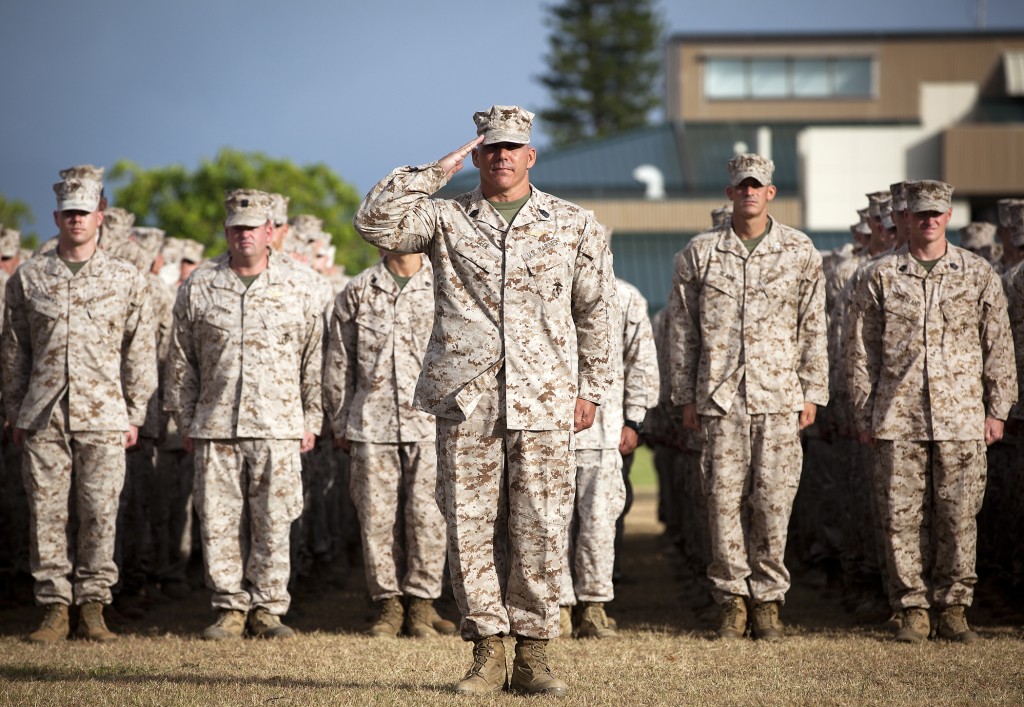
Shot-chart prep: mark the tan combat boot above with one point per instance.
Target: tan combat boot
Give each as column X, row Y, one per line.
column 230, row 625
column 419, row 621
column 531, row 674
column 953, row 625
column 390, row 616
column 766, row 623
column 734, row 618
column 489, row 672
column 565, row 621
column 915, row 626
column 263, row 624
column 55, row 625
column 440, row 624
column 594, row 622
column 91, row 625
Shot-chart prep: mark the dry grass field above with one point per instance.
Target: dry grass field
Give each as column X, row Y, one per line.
column 665, row 656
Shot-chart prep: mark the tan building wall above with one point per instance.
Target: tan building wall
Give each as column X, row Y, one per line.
column 676, row 215
column 901, row 64
column 965, row 166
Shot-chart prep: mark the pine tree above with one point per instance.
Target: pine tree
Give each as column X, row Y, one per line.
column 603, row 67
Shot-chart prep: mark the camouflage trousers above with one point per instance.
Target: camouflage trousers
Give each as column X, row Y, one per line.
column 750, row 470
column 55, row 460
column 247, row 493
column 507, row 496
column 953, row 474
column 403, row 532
column 590, row 539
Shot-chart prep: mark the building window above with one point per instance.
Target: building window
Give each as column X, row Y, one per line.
column 788, row 78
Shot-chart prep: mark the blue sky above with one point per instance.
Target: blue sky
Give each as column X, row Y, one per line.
column 363, row 88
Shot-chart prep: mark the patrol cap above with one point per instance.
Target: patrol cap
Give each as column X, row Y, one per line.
column 886, row 215
column 78, row 194
column 1003, row 206
column 929, row 195
column 750, row 164
column 83, row 171
column 978, row 234
column 191, row 251
column 10, row 242
column 863, row 227
column 899, row 196
column 246, row 207
column 117, row 225
column 308, row 228
column 875, row 200
column 279, row 209
column 721, row 216
column 150, row 240
column 504, row 124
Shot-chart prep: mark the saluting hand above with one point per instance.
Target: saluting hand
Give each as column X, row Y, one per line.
column 452, row 162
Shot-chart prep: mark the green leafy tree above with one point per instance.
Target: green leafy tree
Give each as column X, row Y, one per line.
column 190, row 204
column 604, row 63
column 17, row 215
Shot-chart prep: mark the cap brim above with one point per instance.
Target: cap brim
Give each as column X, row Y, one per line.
column 923, row 205
column 493, row 136
column 78, row 205
column 248, row 221
column 738, row 179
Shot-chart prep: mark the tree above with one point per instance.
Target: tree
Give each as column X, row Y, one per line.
column 17, row 215
column 603, row 67
column 191, row 204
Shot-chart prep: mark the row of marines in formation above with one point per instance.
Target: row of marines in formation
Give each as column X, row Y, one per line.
column 922, row 371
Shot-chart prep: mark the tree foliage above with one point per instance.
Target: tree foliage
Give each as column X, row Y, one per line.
column 190, row 204
column 604, row 64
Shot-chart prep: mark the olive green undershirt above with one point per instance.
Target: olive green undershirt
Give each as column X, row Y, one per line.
column 927, row 264
column 73, row 266
column 247, row 280
column 752, row 243
column 399, row 279
column 510, row 209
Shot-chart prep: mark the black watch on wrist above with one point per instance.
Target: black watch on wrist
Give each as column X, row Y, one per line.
column 637, row 427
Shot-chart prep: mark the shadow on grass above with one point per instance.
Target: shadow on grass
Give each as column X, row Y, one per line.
column 122, row 675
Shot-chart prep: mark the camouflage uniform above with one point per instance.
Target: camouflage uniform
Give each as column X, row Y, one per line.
column 749, row 349
column 600, row 487
column 79, row 367
column 378, row 336
column 243, row 381
column 522, row 315
column 930, row 357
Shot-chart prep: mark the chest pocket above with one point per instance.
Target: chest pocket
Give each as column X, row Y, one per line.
column 107, row 315
column 549, row 269
column 903, row 312
column 372, row 335
column 959, row 313
column 218, row 325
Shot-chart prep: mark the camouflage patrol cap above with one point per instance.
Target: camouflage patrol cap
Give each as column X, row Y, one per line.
column 750, row 164
column 1003, row 206
column 308, row 228
column 504, row 124
column 978, row 234
column 279, row 209
column 886, row 215
column 721, row 216
column 150, row 240
column 246, row 207
column 78, row 194
column 83, row 171
column 117, row 225
column 929, row 195
column 899, row 196
column 191, row 251
column 863, row 227
column 875, row 201
column 10, row 242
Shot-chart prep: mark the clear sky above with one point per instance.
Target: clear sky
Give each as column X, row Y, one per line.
column 363, row 87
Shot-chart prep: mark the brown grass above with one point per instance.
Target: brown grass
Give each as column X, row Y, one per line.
column 665, row 656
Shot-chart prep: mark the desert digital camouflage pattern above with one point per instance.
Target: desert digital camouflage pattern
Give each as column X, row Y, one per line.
column 728, row 307
column 410, row 562
column 930, row 355
column 246, row 363
column 96, row 325
column 502, row 301
column 600, row 488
